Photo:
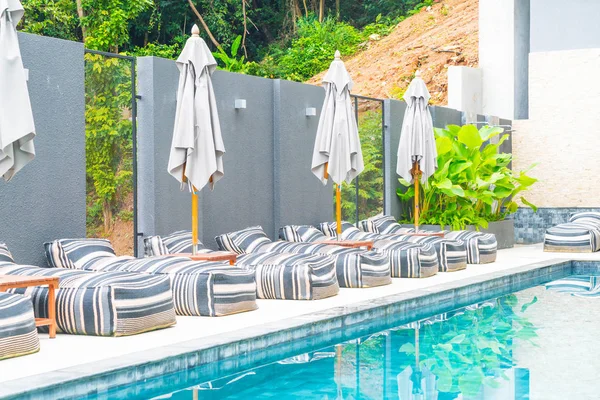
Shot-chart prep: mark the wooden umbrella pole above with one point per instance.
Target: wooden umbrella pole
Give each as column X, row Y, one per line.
column 416, row 173
column 194, row 222
column 338, row 197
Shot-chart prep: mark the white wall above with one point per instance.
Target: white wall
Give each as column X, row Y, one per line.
column 496, row 50
column 464, row 89
column 503, row 49
column 561, row 25
column 563, row 130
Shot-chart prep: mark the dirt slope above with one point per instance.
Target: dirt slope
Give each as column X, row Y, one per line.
column 443, row 35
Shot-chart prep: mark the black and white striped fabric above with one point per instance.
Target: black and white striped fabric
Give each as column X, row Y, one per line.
column 383, row 224
column 301, row 234
column 291, row 276
column 451, row 254
column 355, row 268
column 78, row 253
column 580, row 235
column 106, row 304
column 482, row 248
column 199, row 288
column 18, row 334
column 278, row 276
column 408, row 260
column 5, row 255
column 175, row 243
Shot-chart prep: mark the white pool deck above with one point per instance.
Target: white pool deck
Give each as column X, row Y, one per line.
column 70, row 350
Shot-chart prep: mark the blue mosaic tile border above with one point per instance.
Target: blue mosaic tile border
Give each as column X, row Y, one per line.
column 530, row 226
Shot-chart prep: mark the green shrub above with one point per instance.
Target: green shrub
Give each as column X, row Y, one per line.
column 311, row 51
column 473, row 183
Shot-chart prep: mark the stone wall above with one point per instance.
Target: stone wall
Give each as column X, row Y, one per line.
column 562, row 133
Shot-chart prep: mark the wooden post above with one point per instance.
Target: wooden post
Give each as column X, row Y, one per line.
column 338, row 197
column 416, row 173
column 52, row 310
column 194, row 222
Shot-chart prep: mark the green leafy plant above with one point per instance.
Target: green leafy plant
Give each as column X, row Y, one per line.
column 370, row 185
column 108, row 133
column 232, row 62
column 473, row 183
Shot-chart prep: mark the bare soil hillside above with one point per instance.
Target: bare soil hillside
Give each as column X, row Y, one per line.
column 437, row 37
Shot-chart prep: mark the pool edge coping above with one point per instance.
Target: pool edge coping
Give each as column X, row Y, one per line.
column 246, row 340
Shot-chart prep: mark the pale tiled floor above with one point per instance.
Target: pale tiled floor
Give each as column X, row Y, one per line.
column 69, row 350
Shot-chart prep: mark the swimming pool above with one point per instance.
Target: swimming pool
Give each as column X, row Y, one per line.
column 539, row 343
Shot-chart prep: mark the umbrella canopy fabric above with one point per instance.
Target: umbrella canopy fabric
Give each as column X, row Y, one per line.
column 337, row 143
column 17, row 129
column 197, row 148
column 417, row 142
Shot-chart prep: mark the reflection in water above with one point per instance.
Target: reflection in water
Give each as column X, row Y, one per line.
column 465, row 354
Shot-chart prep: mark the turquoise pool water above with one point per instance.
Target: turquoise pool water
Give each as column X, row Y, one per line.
column 540, row 343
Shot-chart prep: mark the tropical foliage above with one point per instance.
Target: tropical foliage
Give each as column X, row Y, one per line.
column 292, row 40
column 108, row 137
column 473, row 183
column 370, row 181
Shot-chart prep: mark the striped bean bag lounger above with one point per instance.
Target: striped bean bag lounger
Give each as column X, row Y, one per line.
column 18, row 334
column 199, row 288
column 452, row 254
column 100, row 304
column 481, row 247
column 284, row 276
column 407, row 260
column 355, row 268
column 580, row 235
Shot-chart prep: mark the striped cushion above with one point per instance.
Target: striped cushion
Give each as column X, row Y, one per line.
column 107, row 304
column 383, row 224
column 355, row 268
column 77, row 253
column 329, row 229
column 18, row 334
column 301, row 233
column 291, row 276
column 154, row 246
column 590, row 218
column 5, row 255
column 247, row 240
column 573, row 237
column 408, row 260
column 481, row 247
column 199, row 288
column 175, row 243
column 452, row 254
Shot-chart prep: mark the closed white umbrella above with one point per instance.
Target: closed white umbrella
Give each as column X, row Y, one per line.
column 417, row 154
column 17, row 129
column 337, row 151
column 197, row 148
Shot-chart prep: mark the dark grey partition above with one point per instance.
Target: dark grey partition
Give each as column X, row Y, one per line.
column 300, row 198
column 443, row 116
column 392, row 119
column 46, row 199
column 244, row 197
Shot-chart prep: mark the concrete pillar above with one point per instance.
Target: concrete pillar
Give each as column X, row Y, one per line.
column 503, row 57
